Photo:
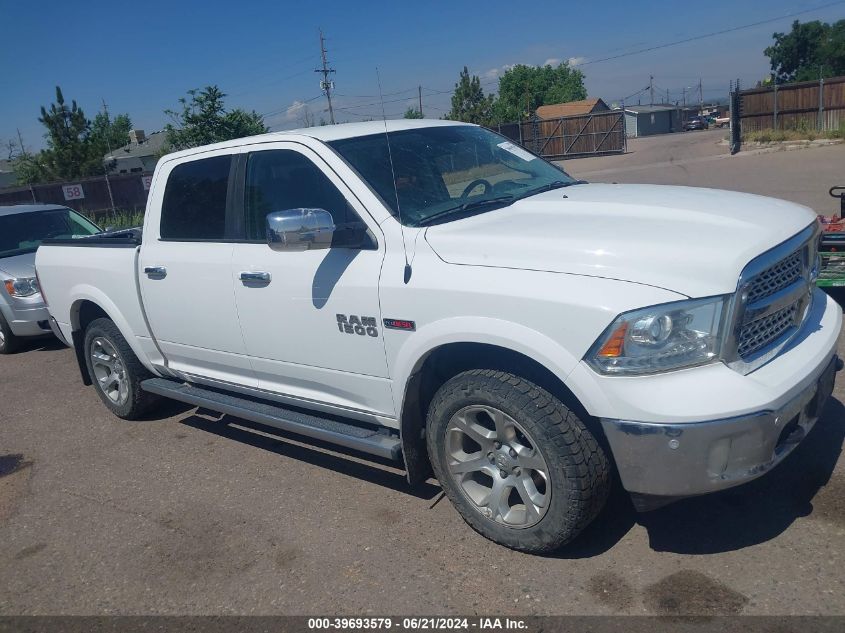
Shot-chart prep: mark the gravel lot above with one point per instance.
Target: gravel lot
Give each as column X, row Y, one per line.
column 190, row 514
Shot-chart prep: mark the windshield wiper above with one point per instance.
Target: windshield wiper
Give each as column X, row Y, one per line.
column 556, row 184
column 467, row 206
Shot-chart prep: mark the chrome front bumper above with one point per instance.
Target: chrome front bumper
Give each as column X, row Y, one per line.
column 671, row 461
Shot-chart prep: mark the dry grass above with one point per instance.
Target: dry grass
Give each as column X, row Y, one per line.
column 801, row 133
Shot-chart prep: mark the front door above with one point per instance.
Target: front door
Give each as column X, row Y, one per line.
column 185, row 272
column 312, row 327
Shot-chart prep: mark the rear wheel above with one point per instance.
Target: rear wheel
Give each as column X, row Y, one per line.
column 115, row 371
column 8, row 342
column 521, row 468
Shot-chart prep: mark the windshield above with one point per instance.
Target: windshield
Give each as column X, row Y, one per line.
column 23, row 232
column 448, row 172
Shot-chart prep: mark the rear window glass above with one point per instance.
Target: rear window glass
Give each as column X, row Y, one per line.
column 194, row 205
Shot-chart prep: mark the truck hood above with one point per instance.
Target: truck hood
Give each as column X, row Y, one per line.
column 18, row 266
column 688, row 240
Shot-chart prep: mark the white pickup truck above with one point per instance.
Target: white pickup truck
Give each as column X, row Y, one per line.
column 428, row 291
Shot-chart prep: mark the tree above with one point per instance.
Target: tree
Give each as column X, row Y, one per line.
column 469, row 103
column 68, row 154
column 109, row 134
column 522, row 89
column 204, row 120
column 808, row 49
column 75, row 145
column 413, row 113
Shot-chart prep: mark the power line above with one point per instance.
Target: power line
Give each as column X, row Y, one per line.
column 713, row 34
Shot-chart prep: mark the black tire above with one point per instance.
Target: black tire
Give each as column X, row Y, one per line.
column 136, row 401
column 9, row 343
column 578, row 469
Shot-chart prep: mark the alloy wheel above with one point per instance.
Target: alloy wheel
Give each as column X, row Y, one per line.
column 497, row 466
column 109, row 370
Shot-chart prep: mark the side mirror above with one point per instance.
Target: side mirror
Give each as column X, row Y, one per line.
column 300, row 229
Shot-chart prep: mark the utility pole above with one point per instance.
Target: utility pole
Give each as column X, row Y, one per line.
column 23, row 154
column 105, row 168
column 700, row 97
column 651, row 88
column 419, row 91
column 326, row 85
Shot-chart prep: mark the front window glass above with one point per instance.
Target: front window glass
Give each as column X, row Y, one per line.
column 23, row 232
column 443, row 173
column 279, row 180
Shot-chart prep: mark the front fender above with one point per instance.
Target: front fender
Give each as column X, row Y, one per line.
column 488, row 331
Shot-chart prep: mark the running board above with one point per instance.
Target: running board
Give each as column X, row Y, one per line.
column 326, row 428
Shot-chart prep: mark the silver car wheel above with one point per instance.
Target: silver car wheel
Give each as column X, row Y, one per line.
column 2, row 339
column 497, row 466
column 109, row 371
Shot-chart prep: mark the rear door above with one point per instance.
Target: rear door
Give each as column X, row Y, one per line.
column 185, row 265
column 313, row 328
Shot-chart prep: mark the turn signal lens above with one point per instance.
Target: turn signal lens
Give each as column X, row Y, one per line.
column 616, row 343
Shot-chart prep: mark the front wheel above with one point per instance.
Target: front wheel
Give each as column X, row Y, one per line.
column 115, row 371
column 8, row 341
column 518, row 465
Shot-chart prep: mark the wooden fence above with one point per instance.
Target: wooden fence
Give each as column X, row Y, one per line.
column 569, row 137
column 88, row 195
column 814, row 105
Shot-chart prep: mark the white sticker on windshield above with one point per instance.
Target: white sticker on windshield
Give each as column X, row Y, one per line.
column 517, row 151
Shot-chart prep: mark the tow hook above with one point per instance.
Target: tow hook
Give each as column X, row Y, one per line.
column 839, row 364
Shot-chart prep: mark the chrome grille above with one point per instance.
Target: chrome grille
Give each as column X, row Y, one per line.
column 776, row 277
column 774, row 293
column 757, row 334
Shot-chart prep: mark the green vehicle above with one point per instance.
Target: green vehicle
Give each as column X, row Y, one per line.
column 832, row 251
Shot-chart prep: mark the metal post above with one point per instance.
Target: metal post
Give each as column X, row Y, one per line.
column 775, row 119
column 821, row 100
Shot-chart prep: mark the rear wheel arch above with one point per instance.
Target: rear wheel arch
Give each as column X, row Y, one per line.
column 85, row 311
column 446, row 361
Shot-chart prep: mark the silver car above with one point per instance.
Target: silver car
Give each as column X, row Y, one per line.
column 23, row 312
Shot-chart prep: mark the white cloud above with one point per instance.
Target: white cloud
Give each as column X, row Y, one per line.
column 576, row 61
column 294, row 110
column 551, row 61
column 497, row 72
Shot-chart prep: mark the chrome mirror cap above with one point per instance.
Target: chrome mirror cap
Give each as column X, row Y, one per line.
column 300, row 229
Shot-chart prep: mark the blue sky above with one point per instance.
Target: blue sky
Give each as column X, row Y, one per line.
column 141, row 57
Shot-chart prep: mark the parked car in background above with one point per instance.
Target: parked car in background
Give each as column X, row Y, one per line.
column 22, row 228
column 696, row 123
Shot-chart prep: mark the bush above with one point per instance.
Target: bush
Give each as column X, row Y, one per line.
column 119, row 220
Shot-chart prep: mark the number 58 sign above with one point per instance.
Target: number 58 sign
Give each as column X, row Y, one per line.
column 73, row 192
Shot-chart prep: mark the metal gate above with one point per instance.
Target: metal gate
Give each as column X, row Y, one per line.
column 573, row 136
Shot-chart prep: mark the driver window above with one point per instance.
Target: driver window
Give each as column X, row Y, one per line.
column 278, row 180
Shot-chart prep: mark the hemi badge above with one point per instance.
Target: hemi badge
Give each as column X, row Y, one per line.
column 400, row 324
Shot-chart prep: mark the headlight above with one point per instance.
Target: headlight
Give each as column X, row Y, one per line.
column 661, row 338
column 23, row 287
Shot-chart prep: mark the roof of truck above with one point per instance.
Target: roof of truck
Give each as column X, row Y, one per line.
column 325, row 133
column 28, row 208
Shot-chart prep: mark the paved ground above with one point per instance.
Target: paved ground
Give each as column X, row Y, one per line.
column 698, row 159
column 189, row 514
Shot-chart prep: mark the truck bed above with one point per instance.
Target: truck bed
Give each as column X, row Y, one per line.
column 102, row 269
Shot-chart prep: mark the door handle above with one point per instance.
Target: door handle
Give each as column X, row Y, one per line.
column 259, row 277
column 155, row 271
